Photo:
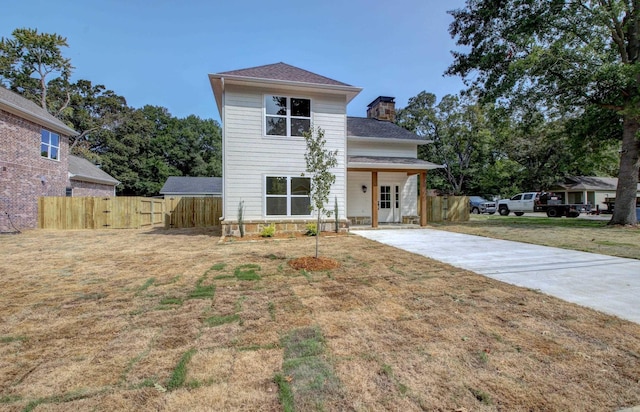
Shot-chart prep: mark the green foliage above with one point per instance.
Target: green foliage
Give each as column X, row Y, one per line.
column 319, row 161
column 311, row 229
column 285, row 394
column 221, row 320
column 307, row 379
column 247, row 272
column 459, row 129
column 568, row 60
column 268, row 231
column 28, row 58
column 179, row 373
column 241, row 217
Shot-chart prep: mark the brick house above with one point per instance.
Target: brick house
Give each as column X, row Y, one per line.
column 34, row 162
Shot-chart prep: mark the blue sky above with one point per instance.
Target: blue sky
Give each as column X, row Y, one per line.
column 159, row 52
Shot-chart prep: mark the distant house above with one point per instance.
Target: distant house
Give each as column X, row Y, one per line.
column 266, row 109
column 87, row 179
column 597, row 191
column 187, row 186
column 35, row 162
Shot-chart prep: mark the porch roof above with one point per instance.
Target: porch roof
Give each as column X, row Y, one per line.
column 382, row 163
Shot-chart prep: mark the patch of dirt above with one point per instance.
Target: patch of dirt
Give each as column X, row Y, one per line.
column 311, row 263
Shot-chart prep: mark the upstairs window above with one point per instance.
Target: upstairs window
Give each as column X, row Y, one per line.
column 287, row 116
column 49, row 144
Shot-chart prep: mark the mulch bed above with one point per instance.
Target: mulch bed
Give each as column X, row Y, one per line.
column 311, row 263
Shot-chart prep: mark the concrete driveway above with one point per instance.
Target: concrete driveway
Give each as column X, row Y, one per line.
column 605, row 283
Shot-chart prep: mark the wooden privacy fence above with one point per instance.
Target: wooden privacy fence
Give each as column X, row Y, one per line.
column 193, row 211
column 127, row 212
column 447, row 208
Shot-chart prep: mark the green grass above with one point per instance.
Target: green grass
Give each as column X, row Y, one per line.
column 9, row 339
column 218, row 266
column 146, row 285
column 203, row 292
column 516, row 221
column 10, row 398
column 272, row 310
column 247, row 272
column 481, row 396
column 221, row 320
column 285, row 393
column 67, row 397
column 307, row 378
column 171, row 301
column 179, row 373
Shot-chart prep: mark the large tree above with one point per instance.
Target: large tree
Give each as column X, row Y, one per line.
column 458, row 129
column 29, row 60
column 563, row 56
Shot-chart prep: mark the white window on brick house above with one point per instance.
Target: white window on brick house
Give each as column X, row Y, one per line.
column 286, row 116
column 287, row 196
column 49, row 145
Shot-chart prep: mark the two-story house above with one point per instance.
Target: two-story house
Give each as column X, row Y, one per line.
column 265, row 110
column 35, row 162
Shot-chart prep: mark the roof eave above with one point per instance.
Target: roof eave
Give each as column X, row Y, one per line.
column 391, row 166
column 218, row 82
column 387, row 140
column 90, row 179
column 42, row 121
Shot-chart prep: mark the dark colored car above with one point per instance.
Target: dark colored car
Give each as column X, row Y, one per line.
column 478, row 204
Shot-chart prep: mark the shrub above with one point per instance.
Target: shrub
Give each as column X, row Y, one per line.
column 312, row 229
column 268, row 231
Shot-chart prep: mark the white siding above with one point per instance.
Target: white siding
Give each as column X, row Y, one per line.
column 359, row 148
column 359, row 203
column 250, row 156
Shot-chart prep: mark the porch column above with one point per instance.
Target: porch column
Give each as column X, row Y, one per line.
column 374, row 199
column 423, row 198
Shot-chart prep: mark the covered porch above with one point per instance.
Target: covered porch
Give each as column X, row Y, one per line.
column 384, row 190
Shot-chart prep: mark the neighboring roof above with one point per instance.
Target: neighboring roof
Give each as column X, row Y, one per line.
column 19, row 106
column 589, row 183
column 281, row 75
column 395, row 163
column 283, row 71
column 373, row 128
column 83, row 170
column 188, row 185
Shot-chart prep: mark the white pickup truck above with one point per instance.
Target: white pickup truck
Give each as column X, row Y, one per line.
column 546, row 202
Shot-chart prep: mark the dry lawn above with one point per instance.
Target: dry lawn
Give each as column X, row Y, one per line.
column 175, row 321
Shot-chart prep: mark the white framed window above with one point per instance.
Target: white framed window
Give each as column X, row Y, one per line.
column 286, row 116
column 49, row 145
column 287, row 196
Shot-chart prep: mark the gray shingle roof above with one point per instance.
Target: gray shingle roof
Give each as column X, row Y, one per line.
column 83, row 170
column 283, row 71
column 18, row 105
column 384, row 162
column 189, row 185
column 588, row 183
column 366, row 127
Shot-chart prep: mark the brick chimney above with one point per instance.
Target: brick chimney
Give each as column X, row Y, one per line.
column 382, row 108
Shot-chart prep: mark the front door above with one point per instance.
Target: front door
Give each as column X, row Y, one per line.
column 389, row 204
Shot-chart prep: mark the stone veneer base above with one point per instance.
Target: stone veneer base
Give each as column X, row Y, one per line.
column 255, row 227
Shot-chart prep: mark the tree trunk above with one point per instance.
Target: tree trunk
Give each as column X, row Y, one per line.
column 624, row 212
column 317, row 234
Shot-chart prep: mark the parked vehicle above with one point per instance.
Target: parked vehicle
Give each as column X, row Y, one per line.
column 549, row 203
column 478, row 204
